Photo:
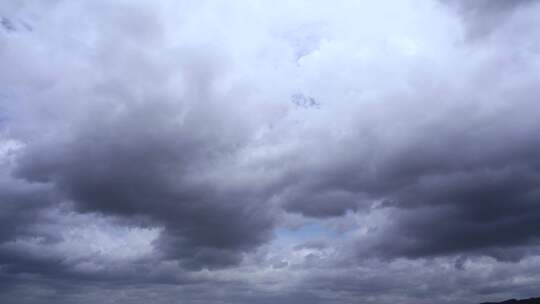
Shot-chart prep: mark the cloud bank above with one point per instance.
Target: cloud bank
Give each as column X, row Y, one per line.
column 248, row 152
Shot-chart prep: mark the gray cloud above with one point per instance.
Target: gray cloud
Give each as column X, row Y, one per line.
column 484, row 16
column 234, row 153
column 147, row 161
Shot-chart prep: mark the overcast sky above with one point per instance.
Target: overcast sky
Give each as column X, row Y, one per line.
column 261, row 152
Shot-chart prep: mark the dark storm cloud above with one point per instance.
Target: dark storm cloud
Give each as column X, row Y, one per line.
column 463, row 182
column 21, row 207
column 321, row 204
column 466, row 188
column 473, row 190
column 144, row 162
column 131, row 150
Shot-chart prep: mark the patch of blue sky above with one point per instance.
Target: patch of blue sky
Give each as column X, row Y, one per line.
column 307, row 232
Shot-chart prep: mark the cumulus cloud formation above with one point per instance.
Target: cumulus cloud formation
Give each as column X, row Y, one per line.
column 248, row 152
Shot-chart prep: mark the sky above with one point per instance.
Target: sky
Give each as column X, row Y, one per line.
column 306, row 151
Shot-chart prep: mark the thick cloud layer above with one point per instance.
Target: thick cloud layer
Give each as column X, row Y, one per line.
column 252, row 153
